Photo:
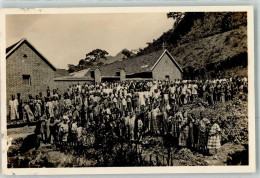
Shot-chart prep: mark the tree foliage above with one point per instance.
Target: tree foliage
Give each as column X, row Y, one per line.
column 128, row 53
column 71, row 68
column 177, row 16
column 96, row 55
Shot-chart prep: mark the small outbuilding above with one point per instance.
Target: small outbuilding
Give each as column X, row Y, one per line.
column 79, row 77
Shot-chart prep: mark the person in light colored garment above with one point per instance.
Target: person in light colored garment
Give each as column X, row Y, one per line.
column 28, row 112
column 13, row 107
column 132, row 125
column 50, row 108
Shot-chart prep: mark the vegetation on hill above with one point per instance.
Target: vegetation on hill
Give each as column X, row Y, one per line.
column 206, row 43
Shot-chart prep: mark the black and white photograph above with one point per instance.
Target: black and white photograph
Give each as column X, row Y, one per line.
column 117, row 89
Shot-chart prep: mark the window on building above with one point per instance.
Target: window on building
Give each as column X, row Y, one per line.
column 26, row 80
column 92, row 74
column 167, row 78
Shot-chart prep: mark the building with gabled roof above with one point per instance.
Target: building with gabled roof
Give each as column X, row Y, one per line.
column 79, row 77
column 158, row 65
column 27, row 70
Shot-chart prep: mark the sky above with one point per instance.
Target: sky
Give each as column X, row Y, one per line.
column 66, row 38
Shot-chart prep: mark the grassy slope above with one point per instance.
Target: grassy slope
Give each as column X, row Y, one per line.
column 212, row 49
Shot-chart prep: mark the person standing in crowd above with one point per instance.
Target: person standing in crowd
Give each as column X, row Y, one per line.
column 194, row 91
column 149, row 118
column 214, row 137
column 79, row 135
column 41, row 98
column 49, row 108
column 203, row 132
column 55, row 126
column 64, row 131
column 228, row 92
column 139, row 129
column 164, row 122
column 56, row 109
column 13, row 108
column 132, row 125
column 129, row 103
column 184, row 130
column 191, row 141
column 31, row 103
column 42, row 128
column 20, row 106
column 39, row 130
column 210, row 94
column 120, row 126
column 37, row 108
column 154, row 123
column 222, row 94
column 28, row 113
column 126, row 121
column 48, row 91
column 204, row 91
column 195, row 131
column 73, row 132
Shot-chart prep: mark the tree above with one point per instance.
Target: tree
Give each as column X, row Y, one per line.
column 177, row 16
column 71, row 68
column 82, row 62
column 128, row 53
column 96, row 55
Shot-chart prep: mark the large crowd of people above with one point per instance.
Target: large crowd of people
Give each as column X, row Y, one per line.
column 130, row 111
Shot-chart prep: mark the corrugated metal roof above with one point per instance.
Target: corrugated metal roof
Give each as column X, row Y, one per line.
column 76, row 76
column 80, row 73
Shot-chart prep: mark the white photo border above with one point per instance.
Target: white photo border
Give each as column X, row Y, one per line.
column 133, row 170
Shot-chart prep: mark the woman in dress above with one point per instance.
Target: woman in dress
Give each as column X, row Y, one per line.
column 214, row 137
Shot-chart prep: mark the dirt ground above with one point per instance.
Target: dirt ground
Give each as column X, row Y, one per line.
column 152, row 152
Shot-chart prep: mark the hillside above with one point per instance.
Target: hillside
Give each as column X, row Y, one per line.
column 215, row 53
column 110, row 59
column 206, row 43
